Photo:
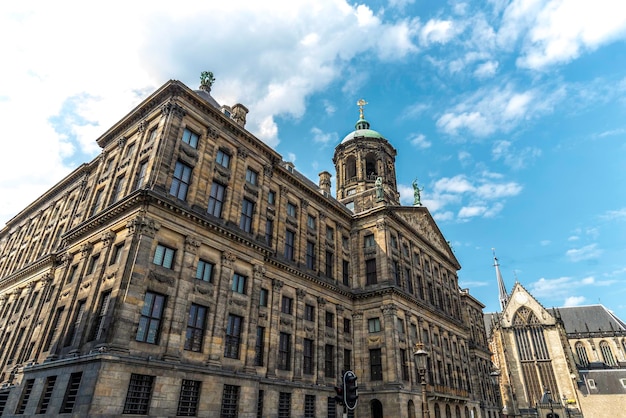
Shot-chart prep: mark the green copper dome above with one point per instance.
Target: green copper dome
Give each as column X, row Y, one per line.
column 362, row 130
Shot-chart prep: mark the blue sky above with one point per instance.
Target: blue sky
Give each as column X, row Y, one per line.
column 511, row 114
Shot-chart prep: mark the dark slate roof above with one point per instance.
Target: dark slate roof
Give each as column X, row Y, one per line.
column 488, row 317
column 594, row 318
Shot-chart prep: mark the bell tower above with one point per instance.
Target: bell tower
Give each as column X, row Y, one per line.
column 365, row 168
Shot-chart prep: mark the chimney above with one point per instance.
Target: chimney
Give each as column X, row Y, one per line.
column 325, row 182
column 239, row 114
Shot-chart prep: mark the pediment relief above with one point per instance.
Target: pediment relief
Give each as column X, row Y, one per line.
column 423, row 223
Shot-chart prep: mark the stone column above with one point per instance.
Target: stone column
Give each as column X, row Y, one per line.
column 321, row 339
column 216, row 345
column 391, row 369
column 274, row 333
column 299, row 334
column 253, row 317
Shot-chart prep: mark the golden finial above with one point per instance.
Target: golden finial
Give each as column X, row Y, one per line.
column 361, row 103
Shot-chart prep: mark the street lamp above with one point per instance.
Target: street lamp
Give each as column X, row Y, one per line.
column 421, row 355
column 495, row 380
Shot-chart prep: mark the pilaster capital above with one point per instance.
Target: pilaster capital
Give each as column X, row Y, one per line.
column 228, row 259
column 191, row 244
column 300, row 293
column 259, row 271
column 143, row 225
column 107, row 238
column 277, row 284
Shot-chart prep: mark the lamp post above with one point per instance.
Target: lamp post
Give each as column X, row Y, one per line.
column 566, row 406
column 495, row 379
column 421, row 355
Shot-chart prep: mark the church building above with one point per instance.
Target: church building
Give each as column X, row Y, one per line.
column 188, row 270
column 557, row 362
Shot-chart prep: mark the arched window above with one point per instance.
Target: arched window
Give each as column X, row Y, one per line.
column 376, row 408
column 448, row 412
column 411, row 409
column 581, row 352
column 458, row 412
column 467, row 412
column 350, row 168
column 370, row 166
column 437, row 411
column 607, row 354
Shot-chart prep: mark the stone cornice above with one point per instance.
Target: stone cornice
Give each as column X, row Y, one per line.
column 44, row 263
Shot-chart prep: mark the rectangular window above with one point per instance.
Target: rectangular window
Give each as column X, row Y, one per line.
column 141, row 175
column 230, row 402
column 345, row 273
column 97, row 202
column 180, row 180
column 396, row 273
column 25, row 396
column 309, row 312
column 330, row 233
column 195, row 328
column 269, row 231
column 239, row 283
column 347, row 359
column 330, row 319
column 54, row 329
column 329, row 264
column 263, row 297
column 98, row 329
column 259, row 350
column 287, row 305
column 72, row 274
column 284, row 405
column 223, row 158
column 150, row 321
column 118, row 189
column 310, row 255
column 291, row 209
column 405, row 364
column 71, row 393
column 368, row 241
column 331, row 407
column 93, row 262
column 376, row 364
column 75, row 326
column 394, row 241
column 189, row 398
column 289, row 242
column 204, row 270
column 116, row 255
column 259, row 404
column 271, row 197
column 409, row 280
column 309, row 406
column 152, row 135
column 190, row 138
column 252, row 176
column 373, row 324
column 164, row 256
column 311, row 222
column 370, row 272
column 346, row 325
column 247, row 210
column 233, row 336
column 130, row 150
column 400, row 326
column 46, row 394
column 329, row 362
column 308, row 356
column 216, row 200
column 139, row 394
column 284, row 351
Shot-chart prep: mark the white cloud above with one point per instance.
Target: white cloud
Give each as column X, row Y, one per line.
column 617, row 215
column 555, row 31
column 497, row 109
column 574, row 301
column 486, row 69
column 420, row 141
column 514, row 158
column 438, row 31
column 324, row 138
column 588, row 252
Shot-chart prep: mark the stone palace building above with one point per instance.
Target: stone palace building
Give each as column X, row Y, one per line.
column 189, row 271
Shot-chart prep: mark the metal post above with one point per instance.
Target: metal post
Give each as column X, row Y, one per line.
column 425, row 412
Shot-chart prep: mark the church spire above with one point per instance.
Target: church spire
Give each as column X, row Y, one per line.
column 504, row 297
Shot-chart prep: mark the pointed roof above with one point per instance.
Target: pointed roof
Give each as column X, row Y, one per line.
column 593, row 318
column 502, row 294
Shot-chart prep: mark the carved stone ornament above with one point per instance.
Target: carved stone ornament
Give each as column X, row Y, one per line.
column 375, row 340
column 141, row 126
column 422, row 225
column 143, row 225
column 160, row 278
column 304, row 203
column 259, row 271
column 268, row 170
column 286, row 321
column 203, row 290
column 242, row 153
column 300, row 294
column 238, row 302
column 339, row 309
column 188, row 154
column 228, row 259
column 381, row 224
column 85, row 249
column 277, row 284
column 65, row 258
column 321, row 301
column 47, row 278
column 211, row 132
column 121, row 142
column 191, row 244
column 107, row 238
column 389, row 309
column 173, row 108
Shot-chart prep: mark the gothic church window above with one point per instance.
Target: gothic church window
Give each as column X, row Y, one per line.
column 607, row 354
column 581, row 352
